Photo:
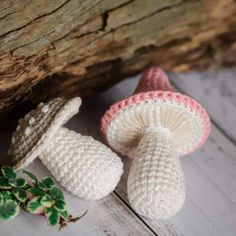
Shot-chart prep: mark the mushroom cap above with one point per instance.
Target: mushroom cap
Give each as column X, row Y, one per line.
column 35, row 131
column 186, row 119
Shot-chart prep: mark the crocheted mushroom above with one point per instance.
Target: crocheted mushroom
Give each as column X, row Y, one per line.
column 84, row 166
column 154, row 127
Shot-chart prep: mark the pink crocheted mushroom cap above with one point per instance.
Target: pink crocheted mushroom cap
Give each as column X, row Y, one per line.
column 154, row 126
column 155, row 104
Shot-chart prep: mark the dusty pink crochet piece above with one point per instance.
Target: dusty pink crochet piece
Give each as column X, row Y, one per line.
column 154, row 85
column 153, row 79
column 154, row 127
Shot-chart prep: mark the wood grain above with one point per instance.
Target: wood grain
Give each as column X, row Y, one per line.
column 71, row 47
column 210, row 208
column 109, row 216
column 210, row 173
column 217, row 92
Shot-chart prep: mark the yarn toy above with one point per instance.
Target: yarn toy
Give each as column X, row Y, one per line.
column 84, row 166
column 154, row 127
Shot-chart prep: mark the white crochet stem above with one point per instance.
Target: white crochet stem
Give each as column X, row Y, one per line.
column 84, row 166
column 156, row 187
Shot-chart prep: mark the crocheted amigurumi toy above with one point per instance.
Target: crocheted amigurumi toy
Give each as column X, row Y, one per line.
column 154, row 127
column 84, row 166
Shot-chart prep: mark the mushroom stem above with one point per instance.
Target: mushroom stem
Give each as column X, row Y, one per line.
column 156, row 187
column 82, row 165
column 153, row 79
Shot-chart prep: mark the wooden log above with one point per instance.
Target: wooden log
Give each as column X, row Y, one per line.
column 78, row 47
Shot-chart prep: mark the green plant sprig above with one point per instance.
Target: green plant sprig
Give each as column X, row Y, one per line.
column 37, row 197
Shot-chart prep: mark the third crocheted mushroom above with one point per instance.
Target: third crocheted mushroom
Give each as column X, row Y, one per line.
column 154, row 127
column 84, row 166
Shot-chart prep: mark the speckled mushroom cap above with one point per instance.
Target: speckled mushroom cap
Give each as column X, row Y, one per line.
column 38, row 127
column 184, row 117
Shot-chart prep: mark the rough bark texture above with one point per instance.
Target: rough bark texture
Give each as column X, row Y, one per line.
column 78, row 47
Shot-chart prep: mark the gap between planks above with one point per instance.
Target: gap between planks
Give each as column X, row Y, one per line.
column 167, row 227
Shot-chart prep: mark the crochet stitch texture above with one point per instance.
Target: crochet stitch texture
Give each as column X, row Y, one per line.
column 35, row 131
column 156, row 186
column 84, row 166
column 154, row 127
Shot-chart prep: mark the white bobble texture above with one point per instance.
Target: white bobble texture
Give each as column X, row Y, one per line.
column 27, row 131
column 31, row 120
column 41, row 104
column 13, row 140
column 45, row 109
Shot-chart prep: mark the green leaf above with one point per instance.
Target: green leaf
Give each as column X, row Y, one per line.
column 8, row 172
column 46, row 201
column 12, row 182
column 21, row 182
column 8, row 210
column 47, row 183
column 64, row 215
column 42, row 186
column 31, row 176
column 34, row 206
column 53, row 216
column 19, row 194
column 1, row 200
column 4, row 183
column 60, row 205
column 5, row 194
column 37, row 192
column 56, row 193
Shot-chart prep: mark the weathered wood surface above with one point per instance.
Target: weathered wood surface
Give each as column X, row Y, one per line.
column 210, row 207
column 217, row 90
column 109, row 216
column 69, row 47
column 210, row 172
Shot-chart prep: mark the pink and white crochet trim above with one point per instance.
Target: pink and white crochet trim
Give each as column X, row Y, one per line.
column 154, row 127
column 147, row 91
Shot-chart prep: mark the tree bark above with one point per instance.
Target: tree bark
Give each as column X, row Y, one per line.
column 78, row 47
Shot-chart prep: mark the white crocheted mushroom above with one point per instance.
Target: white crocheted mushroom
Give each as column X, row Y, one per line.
column 84, row 166
column 154, row 127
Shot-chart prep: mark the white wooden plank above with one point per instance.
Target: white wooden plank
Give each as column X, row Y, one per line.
column 109, row 216
column 210, row 207
column 216, row 91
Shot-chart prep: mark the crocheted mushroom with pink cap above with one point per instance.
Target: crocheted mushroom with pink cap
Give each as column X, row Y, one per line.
column 154, row 127
column 84, row 166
